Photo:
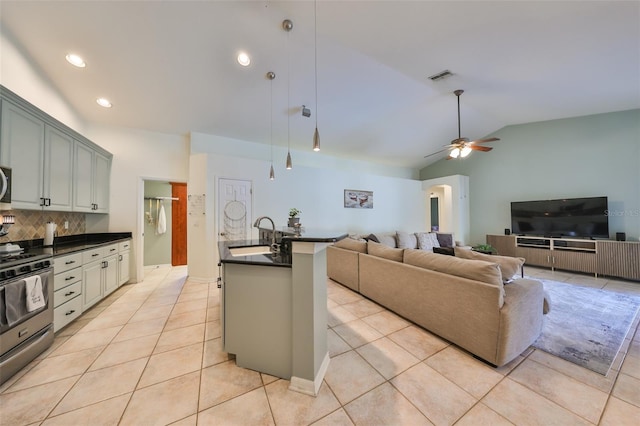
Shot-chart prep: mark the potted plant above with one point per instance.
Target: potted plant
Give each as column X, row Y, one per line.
column 485, row 248
column 293, row 217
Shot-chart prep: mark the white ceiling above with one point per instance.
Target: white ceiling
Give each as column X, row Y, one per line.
column 170, row 67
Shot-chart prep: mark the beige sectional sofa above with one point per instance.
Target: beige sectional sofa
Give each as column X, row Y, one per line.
column 463, row 300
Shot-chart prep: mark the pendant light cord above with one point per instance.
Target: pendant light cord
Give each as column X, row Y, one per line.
column 271, row 130
column 288, row 90
column 315, row 53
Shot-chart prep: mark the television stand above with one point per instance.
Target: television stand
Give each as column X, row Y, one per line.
column 605, row 257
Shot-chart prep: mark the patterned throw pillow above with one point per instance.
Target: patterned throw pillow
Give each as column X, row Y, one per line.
column 427, row 240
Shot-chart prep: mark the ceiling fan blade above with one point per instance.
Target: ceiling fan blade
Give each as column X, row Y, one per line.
column 437, row 152
column 485, row 140
column 480, row 148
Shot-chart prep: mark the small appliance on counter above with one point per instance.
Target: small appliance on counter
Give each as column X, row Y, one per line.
column 49, row 234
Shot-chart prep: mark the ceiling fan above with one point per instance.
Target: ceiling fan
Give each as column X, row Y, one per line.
column 461, row 147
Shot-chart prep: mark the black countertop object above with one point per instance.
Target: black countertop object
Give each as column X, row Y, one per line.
column 72, row 243
column 283, row 258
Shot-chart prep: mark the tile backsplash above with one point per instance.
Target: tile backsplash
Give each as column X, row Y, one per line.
column 30, row 224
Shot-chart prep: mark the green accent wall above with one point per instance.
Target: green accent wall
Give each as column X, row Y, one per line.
column 585, row 156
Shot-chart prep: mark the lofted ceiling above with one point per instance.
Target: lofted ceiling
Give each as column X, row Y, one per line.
column 171, row 67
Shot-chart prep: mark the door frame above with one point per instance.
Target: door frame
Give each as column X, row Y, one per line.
column 139, row 235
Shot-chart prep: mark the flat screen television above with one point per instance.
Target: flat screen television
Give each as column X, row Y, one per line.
column 568, row 217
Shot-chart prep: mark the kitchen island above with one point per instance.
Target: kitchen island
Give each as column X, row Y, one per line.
column 274, row 307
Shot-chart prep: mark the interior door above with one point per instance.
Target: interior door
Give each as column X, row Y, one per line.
column 179, row 223
column 234, row 209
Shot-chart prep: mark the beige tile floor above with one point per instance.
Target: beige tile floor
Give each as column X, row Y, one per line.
column 150, row 354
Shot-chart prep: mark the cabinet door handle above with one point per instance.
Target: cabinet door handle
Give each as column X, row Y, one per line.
column 112, row 249
column 120, row 258
column 70, row 312
column 47, row 202
column 42, row 202
column 95, row 254
column 69, row 278
column 69, row 262
column 70, row 293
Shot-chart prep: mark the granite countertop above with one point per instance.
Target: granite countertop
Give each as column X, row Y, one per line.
column 73, row 243
column 282, row 259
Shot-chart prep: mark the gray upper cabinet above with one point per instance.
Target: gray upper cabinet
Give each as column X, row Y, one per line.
column 92, row 175
column 23, row 150
column 53, row 167
column 58, row 169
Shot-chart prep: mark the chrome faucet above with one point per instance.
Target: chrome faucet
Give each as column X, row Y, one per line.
column 274, row 246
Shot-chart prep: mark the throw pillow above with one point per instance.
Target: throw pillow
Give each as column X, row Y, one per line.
column 351, row 244
column 388, row 239
column 406, row 240
column 372, row 237
column 444, row 250
column 381, row 250
column 509, row 266
column 427, row 240
column 445, row 240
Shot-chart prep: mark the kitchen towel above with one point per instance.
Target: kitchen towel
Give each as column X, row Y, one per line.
column 35, row 298
column 162, row 221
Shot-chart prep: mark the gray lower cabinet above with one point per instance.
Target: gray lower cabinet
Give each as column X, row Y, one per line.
column 124, row 262
column 67, row 296
column 257, row 321
column 91, row 284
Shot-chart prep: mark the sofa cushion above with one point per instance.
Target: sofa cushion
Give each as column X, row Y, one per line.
column 477, row 270
column 445, row 240
column 509, row 266
column 427, row 240
column 352, row 244
column 381, row 250
column 406, row 240
column 386, row 238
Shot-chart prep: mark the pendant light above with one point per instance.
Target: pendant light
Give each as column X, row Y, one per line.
column 316, row 134
column 287, row 25
column 271, row 76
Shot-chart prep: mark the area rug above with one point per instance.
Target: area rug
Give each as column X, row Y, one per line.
column 586, row 326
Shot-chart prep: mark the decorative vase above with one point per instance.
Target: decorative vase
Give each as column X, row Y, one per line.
column 293, row 221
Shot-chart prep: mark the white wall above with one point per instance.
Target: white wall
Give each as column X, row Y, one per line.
column 399, row 203
column 21, row 76
column 137, row 155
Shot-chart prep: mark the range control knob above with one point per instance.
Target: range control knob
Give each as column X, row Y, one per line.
column 25, row 268
column 10, row 273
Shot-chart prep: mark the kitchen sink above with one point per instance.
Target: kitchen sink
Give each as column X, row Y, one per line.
column 249, row 251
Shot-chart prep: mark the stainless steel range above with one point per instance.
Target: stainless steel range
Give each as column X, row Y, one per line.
column 26, row 328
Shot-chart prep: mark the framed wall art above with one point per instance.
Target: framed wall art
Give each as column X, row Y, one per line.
column 356, row 199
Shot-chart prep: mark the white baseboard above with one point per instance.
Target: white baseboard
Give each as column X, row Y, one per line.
column 310, row 387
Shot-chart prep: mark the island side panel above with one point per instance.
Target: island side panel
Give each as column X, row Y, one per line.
column 257, row 317
column 309, row 310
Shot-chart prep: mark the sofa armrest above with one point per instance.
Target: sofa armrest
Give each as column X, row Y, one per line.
column 520, row 318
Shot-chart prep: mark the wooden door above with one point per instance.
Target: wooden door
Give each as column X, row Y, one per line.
column 179, row 224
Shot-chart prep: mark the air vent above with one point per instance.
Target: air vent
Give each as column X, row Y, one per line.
column 441, row 75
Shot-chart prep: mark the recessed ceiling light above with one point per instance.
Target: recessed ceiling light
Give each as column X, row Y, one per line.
column 104, row 102
column 243, row 59
column 75, row 60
